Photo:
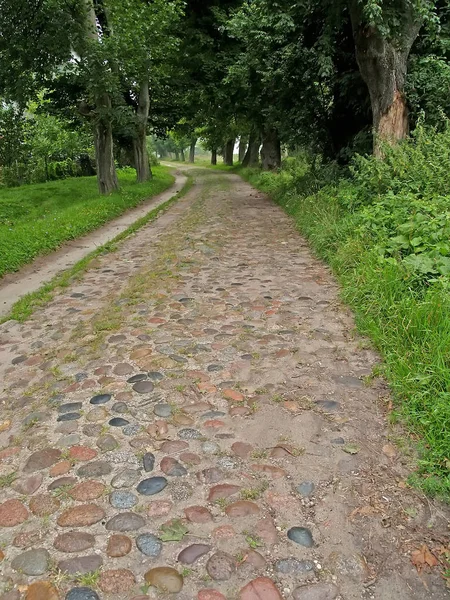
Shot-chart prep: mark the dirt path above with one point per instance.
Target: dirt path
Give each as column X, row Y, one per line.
column 42, row 270
column 193, row 414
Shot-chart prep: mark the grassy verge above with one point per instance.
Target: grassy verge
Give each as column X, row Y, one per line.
column 37, row 219
column 29, row 303
column 385, row 232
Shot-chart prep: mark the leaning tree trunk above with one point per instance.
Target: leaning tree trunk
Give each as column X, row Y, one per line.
column 192, row 151
column 141, row 160
column 242, row 149
column 251, row 158
column 383, row 65
column 228, row 153
column 214, row 156
column 103, row 142
column 271, row 150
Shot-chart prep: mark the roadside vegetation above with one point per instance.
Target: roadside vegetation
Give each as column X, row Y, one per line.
column 36, row 219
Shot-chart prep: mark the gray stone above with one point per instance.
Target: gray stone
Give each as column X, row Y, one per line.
column 107, row 443
column 131, row 429
column 81, row 564
column 74, row 416
column 192, row 553
column 148, row 461
column 293, row 566
column 120, row 407
column 100, row 399
column 328, row 405
column 70, row 407
column 149, row 544
column 82, row 593
column 68, row 440
column 152, row 486
column 189, row 434
column 137, row 378
column 221, row 566
column 155, row 376
column 95, row 469
column 125, row 478
column 306, row 488
column 118, row 422
column 126, row 521
column 318, row 591
column 122, row 499
column 31, row 562
column 210, row 448
column 301, row 536
column 163, row 410
column 27, row 485
column 143, row 387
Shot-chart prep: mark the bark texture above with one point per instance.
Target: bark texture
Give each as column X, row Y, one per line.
column 242, row 148
column 192, row 151
column 214, row 156
column 383, row 66
column 251, row 158
column 271, row 150
column 228, row 153
column 183, row 157
column 141, row 160
column 103, row 141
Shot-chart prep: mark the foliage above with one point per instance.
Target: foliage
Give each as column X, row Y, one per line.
column 384, row 228
column 37, row 219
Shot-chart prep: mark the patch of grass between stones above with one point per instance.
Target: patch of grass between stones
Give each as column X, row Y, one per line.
column 25, row 307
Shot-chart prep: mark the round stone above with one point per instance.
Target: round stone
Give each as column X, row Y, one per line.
column 155, row 376
column 118, row 422
column 223, row 490
column 172, row 447
column 81, row 564
column 137, row 378
column 73, row 416
column 198, row 514
column 74, row 541
column 62, row 482
column 328, row 405
column 172, row 467
column 12, row 513
column 165, row 579
column 41, row 590
column 27, row 485
column 149, row 544
column 148, row 461
column 318, row 591
column 82, row 453
column 44, row 504
column 116, row 581
column 294, row 566
column 122, row 499
column 68, row 440
column 163, row 410
column 81, row 516
column 87, row 490
column 210, row 448
column 82, row 593
column 131, row 430
column 189, row 434
column 125, row 478
column 221, row 566
column 152, row 486
column 100, row 399
column 107, row 443
column 143, row 387
column 118, row 545
column 209, row 594
column 301, row 536
column 306, row 488
column 120, row 407
column 127, row 521
column 42, row 459
column 95, row 469
column 192, row 553
column 31, row 562
column 97, row 415
column 261, row 588
column 70, row 407
column 242, row 508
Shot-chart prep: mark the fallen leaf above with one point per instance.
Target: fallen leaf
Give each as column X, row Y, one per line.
column 5, row 425
column 421, row 558
column 389, row 450
column 351, row 448
column 364, row 511
column 173, row 532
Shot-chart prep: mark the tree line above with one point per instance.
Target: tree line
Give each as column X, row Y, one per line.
column 336, row 77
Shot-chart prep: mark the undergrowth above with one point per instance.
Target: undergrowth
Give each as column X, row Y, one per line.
column 384, row 227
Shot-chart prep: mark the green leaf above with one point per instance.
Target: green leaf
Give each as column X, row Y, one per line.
column 351, row 448
column 173, row 531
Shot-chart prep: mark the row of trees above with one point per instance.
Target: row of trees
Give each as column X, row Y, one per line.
column 320, row 74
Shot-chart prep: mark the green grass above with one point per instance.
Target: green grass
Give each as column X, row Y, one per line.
column 37, row 219
column 25, row 307
column 403, row 310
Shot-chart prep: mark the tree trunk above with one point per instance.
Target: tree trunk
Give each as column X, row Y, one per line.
column 192, row 151
column 383, row 65
column 271, row 150
column 228, row 154
column 251, row 158
column 141, row 160
column 177, row 155
column 214, row 156
column 242, row 148
column 183, row 158
column 103, row 142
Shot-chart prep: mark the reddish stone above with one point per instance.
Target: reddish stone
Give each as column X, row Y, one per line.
column 242, row 508
column 116, row 581
column 197, row 375
column 12, row 513
column 73, row 387
column 28, row 538
column 81, row 516
column 27, row 485
column 82, row 453
column 87, row 490
column 224, row 532
column 270, row 470
column 291, row 406
column 159, row 508
column 266, row 530
column 242, row 449
column 281, row 500
column 223, row 490
column 156, row 320
column 42, row 459
column 210, row 595
column 60, row 468
column 74, row 541
column 88, row 384
column 214, row 424
column 255, row 559
column 118, row 545
column 282, row 353
column 261, row 588
column 173, row 447
column 41, row 590
column 197, row 514
column 197, row 407
column 233, row 395
column 190, row 458
column 44, row 504
column 102, row 370
column 34, row 360
column 8, row 452
column 205, row 386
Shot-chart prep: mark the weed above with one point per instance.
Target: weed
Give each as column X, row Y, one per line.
column 88, row 579
column 6, row 480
